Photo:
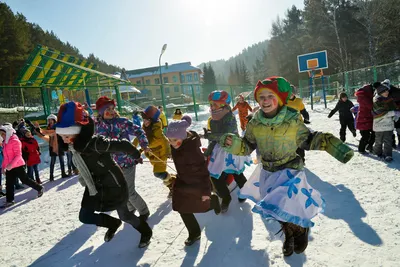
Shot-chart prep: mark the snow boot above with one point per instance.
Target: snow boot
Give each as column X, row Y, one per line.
column 51, row 178
column 7, row 204
column 38, row 181
column 241, row 200
column 76, row 171
column 388, row 159
column 64, row 175
column 111, row 223
column 69, row 172
column 192, row 239
column 215, row 205
column 301, row 240
column 288, row 243
column 146, row 234
column 40, row 192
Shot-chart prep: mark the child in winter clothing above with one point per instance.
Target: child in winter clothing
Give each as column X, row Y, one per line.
column 158, row 143
column 163, row 118
column 56, row 145
column 13, row 164
column 177, row 114
column 364, row 117
column 244, row 109
column 31, row 154
column 345, row 116
column 383, row 112
column 222, row 163
column 105, row 186
column 136, row 118
column 111, row 125
column 281, row 191
column 192, row 186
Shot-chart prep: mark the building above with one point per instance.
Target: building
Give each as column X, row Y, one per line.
column 178, row 80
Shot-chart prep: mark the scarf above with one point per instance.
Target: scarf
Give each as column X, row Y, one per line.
column 85, row 177
column 219, row 113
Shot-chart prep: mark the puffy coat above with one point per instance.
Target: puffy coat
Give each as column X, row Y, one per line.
column 177, row 117
column 31, row 151
column 159, row 146
column 278, row 138
column 108, row 178
column 12, row 153
column 193, row 179
column 365, row 97
column 344, row 111
column 120, row 128
column 297, row 104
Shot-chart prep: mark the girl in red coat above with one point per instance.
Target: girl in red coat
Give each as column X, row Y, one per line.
column 31, row 153
column 364, row 117
column 191, row 191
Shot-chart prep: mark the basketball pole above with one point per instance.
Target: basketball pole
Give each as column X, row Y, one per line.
column 310, row 83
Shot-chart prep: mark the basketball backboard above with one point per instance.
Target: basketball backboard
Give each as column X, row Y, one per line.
column 313, row 61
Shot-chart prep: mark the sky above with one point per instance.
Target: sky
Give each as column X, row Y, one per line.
column 131, row 33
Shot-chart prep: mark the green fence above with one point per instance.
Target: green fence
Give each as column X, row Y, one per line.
column 38, row 102
column 348, row 81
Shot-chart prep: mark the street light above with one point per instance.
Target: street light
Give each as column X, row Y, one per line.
column 161, row 80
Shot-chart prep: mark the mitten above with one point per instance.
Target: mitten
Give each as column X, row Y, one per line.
column 138, row 161
column 306, row 122
column 334, row 146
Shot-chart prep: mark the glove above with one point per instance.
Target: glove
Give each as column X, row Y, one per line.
column 396, row 115
column 306, row 122
column 138, row 161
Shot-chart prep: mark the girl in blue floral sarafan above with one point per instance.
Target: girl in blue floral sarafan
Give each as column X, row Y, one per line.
column 280, row 190
column 221, row 162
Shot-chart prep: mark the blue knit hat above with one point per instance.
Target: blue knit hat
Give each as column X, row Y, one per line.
column 71, row 117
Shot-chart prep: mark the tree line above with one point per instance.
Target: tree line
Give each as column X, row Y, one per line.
column 18, row 38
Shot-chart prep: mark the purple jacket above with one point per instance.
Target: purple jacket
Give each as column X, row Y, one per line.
column 122, row 128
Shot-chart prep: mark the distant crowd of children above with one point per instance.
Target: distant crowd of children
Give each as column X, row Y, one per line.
column 105, row 152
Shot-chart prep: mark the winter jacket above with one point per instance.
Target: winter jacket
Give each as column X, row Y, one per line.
column 278, row 138
column 120, row 128
column 12, row 153
column 364, row 116
column 163, row 120
column 298, row 105
column 30, row 151
column 243, row 108
column 136, row 120
column 193, row 179
column 159, row 146
column 218, row 128
column 383, row 113
column 108, row 177
column 345, row 114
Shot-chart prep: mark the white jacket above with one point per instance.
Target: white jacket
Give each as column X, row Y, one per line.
column 384, row 123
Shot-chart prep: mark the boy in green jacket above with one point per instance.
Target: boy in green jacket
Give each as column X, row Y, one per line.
column 282, row 192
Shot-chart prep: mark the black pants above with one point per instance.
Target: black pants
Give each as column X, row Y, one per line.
column 222, row 188
column 344, row 124
column 32, row 169
column 53, row 162
column 191, row 224
column 11, row 177
column 89, row 216
column 367, row 138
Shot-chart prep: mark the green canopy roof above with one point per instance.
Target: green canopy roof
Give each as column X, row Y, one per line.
column 49, row 67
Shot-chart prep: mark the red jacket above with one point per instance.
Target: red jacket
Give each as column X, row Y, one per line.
column 30, row 151
column 12, row 152
column 365, row 97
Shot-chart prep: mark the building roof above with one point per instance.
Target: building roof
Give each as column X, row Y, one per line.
column 178, row 67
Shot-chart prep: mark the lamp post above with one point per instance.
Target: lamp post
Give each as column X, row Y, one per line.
column 161, row 81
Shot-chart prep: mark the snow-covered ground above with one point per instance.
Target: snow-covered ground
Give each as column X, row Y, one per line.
column 360, row 226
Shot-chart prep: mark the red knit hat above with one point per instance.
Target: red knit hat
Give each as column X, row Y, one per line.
column 103, row 103
column 277, row 85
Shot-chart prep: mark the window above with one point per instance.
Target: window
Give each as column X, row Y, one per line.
column 176, row 89
column 157, row 80
column 196, row 76
column 198, row 89
column 182, row 78
column 175, row 79
column 189, row 77
column 158, row 92
column 138, row 82
column 165, row 79
column 147, row 82
column 167, row 90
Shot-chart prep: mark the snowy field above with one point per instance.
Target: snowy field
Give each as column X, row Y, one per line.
column 360, row 226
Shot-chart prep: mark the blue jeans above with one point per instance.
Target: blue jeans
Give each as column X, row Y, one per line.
column 70, row 164
column 31, row 169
